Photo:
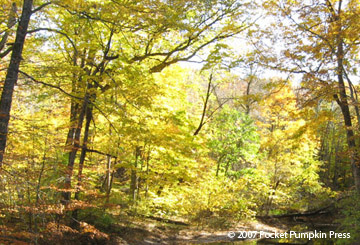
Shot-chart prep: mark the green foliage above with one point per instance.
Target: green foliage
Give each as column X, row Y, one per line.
column 234, row 141
column 103, row 84
column 350, row 220
column 288, row 148
column 97, row 217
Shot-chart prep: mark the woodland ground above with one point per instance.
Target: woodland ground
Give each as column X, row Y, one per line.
column 101, row 120
column 130, row 229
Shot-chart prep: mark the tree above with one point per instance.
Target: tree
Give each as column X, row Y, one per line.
column 319, row 43
column 288, row 147
column 13, row 68
column 158, row 34
column 233, row 143
column 12, row 75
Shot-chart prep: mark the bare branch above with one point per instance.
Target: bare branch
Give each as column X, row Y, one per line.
column 98, row 152
column 41, row 7
column 208, row 93
column 6, row 52
column 56, row 31
column 50, row 85
column 164, row 63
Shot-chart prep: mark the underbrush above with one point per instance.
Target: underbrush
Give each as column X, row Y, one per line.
column 97, row 217
column 35, row 228
column 350, row 220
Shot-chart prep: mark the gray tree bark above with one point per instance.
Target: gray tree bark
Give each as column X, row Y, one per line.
column 12, row 75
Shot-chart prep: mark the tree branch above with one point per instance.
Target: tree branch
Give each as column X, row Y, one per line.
column 208, row 92
column 56, row 31
column 6, row 52
column 41, row 7
column 98, row 152
column 50, row 85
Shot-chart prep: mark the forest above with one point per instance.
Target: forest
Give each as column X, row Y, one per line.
column 179, row 122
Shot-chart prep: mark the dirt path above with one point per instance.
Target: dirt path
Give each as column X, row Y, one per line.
column 159, row 234
column 148, row 231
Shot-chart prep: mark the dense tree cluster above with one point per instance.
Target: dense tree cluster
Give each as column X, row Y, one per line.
column 171, row 108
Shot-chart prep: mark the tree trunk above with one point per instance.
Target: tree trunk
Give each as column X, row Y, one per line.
column 269, row 201
column 208, row 93
column 12, row 75
column 108, row 173
column 110, row 177
column 75, row 147
column 335, row 177
column 134, row 178
column 147, row 173
column 248, row 102
column 344, row 106
column 83, row 150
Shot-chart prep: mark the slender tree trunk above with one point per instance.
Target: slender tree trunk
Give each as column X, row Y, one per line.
column 108, row 173
column 335, row 177
column 39, row 185
column 74, row 107
column 110, row 187
column 218, row 164
column 75, row 148
column 270, row 198
column 12, row 75
column 248, row 102
column 344, row 106
column 324, row 144
column 134, row 178
column 82, row 160
column 74, row 112
column 227, row 168
column 217, row 169
column 83, row 150
column 109, row 178
column 208, row 93
column 354, row 97
column 331, row 149
column 147, row 173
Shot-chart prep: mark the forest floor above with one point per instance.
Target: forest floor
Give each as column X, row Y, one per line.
column 149, row 231
column 140, row 230
column 155, row 232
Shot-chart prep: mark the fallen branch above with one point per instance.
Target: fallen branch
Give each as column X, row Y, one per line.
column 293, row 215
column 308, row 213
column 169, row 221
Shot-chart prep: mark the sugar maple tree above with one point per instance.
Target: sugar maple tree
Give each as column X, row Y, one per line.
column 96, row 44
column 288, row 144
column 320, row 44
column 107, row 121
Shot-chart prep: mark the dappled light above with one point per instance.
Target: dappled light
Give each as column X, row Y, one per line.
column 179, row 122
